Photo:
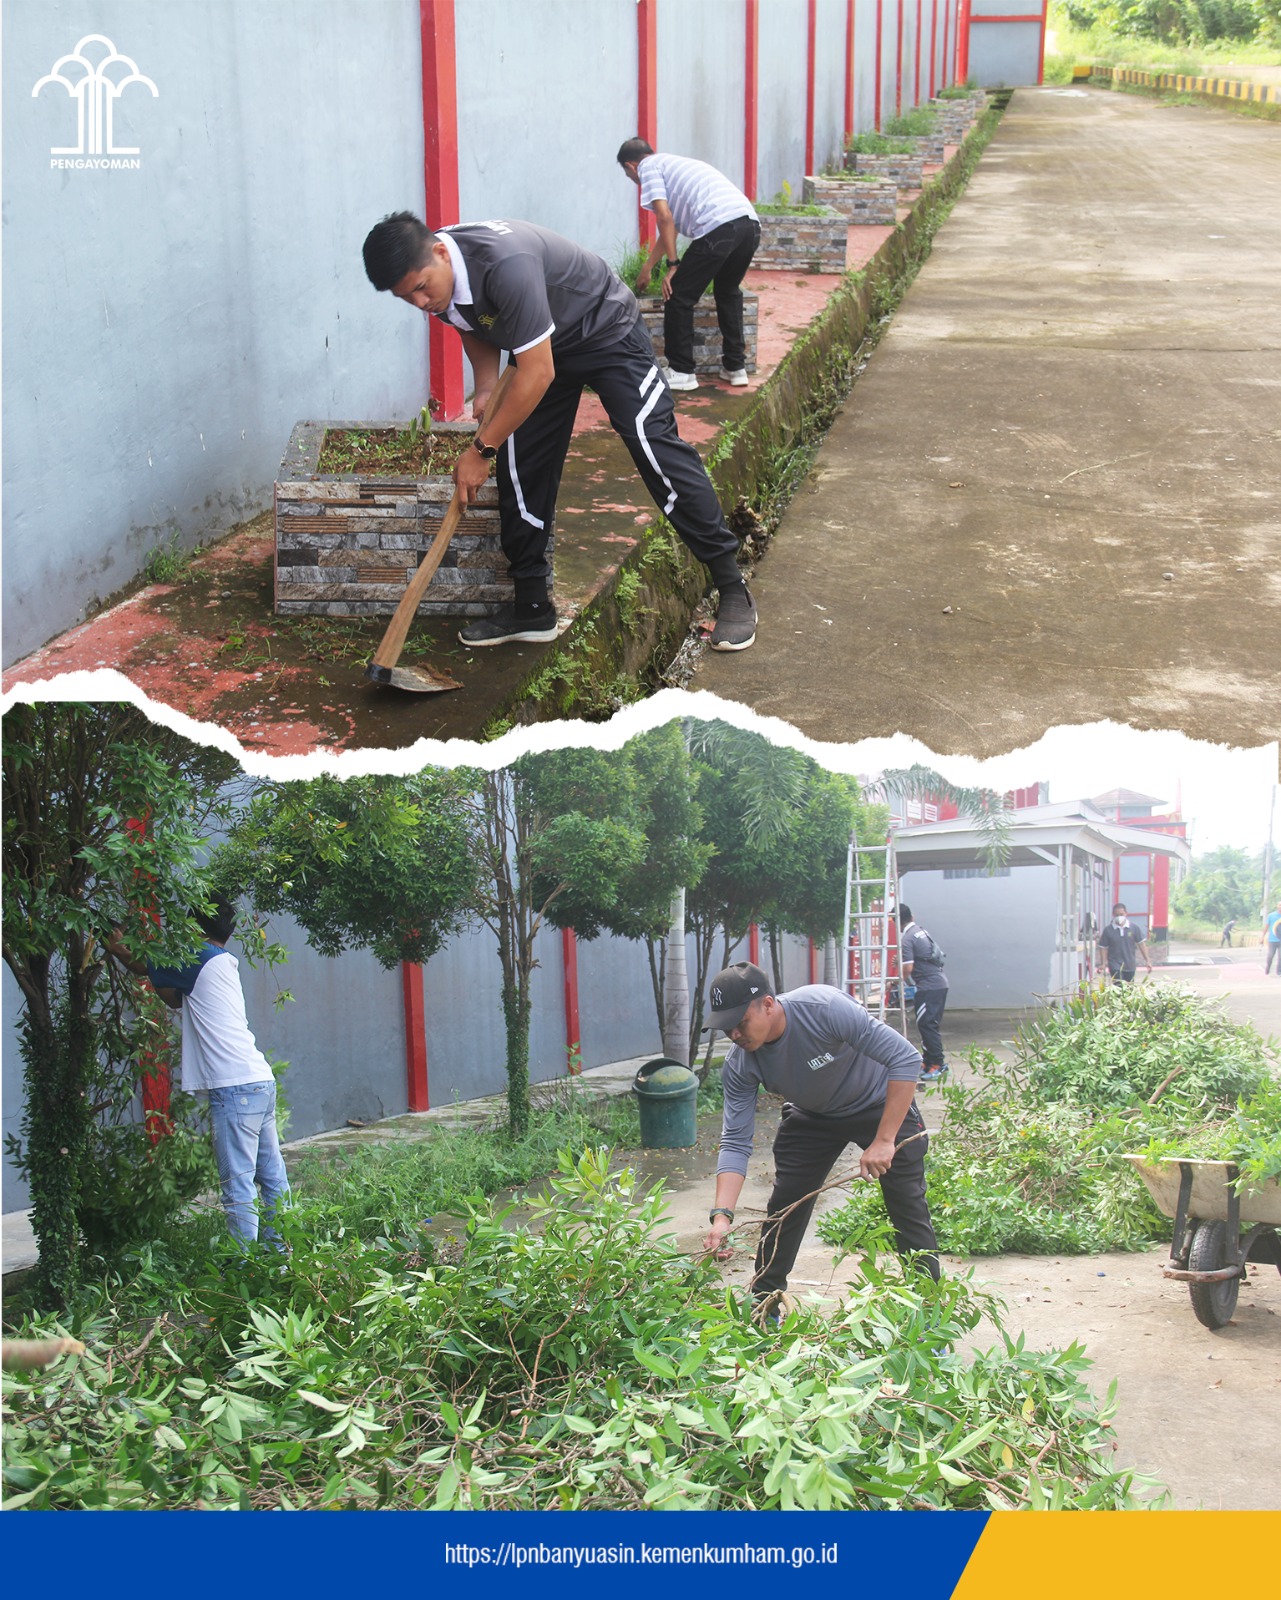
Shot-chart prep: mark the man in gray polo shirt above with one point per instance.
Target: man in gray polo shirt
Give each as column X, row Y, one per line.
column 566, row 319
column 846, row 1079
column 689, row 197
column 925, row 987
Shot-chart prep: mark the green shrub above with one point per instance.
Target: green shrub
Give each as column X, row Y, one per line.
column 914, row 124
column 1010, row 1171
column 878, row 144
column 578, row 1362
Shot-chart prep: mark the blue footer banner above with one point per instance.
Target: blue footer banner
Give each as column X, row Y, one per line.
column 612, row 1555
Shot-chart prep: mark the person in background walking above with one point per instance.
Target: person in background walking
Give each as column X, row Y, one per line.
column 688, row 197
column 1122, row 944
column 925, row 988
column 1272, row 939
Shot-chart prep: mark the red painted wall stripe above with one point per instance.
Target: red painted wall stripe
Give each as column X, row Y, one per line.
column 849, row 68
column 754, row 945
column 1040, row 60
column 920, row 23
column 880, row 56
column 753, row 42
column 813, row 955
column 573, row 1036
column 646, row 96
column 811, row 29
column 963, row 42
column 934, row 45
column 440, row 179
column 417, row 1093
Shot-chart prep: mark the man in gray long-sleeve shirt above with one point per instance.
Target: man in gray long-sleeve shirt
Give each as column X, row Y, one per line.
column 845, row 1078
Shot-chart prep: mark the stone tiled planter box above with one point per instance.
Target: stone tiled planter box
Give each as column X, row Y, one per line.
column 346, row 546
column 796, row 241
column 903, row 171
column 860, row 201
column 930, row 147
column 707, row 333
column 955, row 119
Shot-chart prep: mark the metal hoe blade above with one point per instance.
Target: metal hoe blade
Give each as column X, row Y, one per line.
column 415, row 680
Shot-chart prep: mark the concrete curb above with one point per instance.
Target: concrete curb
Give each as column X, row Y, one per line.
column 1268, row 94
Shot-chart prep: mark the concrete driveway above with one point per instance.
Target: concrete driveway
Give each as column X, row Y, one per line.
column 1053, row 496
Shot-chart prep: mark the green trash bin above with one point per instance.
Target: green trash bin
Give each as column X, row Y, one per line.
column 667, row 1094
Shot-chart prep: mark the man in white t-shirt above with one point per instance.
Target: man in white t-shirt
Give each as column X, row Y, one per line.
column 688, row 197
column 221, row 1061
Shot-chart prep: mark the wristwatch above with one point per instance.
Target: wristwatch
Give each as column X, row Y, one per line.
column 668, row 262
column 488, row 451
column 720, row 1211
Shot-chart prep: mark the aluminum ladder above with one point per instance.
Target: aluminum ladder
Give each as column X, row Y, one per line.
column 871, row 900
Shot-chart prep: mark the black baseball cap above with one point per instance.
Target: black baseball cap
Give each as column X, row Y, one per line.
column 732, row 991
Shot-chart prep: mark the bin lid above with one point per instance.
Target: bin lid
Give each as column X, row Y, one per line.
column 662, row 1076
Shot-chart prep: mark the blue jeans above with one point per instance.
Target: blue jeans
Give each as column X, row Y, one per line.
column 247, row 1151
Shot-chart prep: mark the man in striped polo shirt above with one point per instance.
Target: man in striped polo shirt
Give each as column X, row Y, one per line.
column 690, row 198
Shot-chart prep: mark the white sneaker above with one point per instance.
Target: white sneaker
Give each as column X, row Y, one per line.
column 681, row 380
column 737, row 380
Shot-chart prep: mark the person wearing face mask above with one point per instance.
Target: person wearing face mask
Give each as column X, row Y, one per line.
column 1122, row 944
column 846, row 1078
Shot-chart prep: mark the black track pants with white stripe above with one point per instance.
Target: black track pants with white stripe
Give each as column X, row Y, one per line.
column 638, row 402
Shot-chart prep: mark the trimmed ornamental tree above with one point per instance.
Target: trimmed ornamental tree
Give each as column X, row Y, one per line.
column 103, row 812
column 585, row 839
column 374, row 863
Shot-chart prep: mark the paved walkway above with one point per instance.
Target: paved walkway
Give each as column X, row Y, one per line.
column 1053, row 496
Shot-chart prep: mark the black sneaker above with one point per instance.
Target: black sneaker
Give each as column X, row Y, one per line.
column 735, row 619
column 513, row 624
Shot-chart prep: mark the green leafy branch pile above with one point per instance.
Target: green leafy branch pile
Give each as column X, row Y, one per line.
column 1029, row 1156
column 579, row 1361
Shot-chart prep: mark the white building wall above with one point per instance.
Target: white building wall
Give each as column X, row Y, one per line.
column 998, row 932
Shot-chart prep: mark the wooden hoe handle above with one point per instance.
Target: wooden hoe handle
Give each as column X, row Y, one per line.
column 393, row 641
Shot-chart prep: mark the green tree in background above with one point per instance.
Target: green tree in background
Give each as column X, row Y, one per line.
column 103, row 812
column 1220, row 885
column 380, row 863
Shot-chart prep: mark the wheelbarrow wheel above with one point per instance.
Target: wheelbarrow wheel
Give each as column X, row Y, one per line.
column 1213, row 1303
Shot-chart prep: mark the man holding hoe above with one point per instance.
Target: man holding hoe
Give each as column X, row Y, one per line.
column 846, row 1079
column 567, row 320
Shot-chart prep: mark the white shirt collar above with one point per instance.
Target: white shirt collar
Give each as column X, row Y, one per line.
column 462, row 283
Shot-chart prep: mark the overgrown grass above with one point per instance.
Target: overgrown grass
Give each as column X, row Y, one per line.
column 579, row 1362
column 168, row 562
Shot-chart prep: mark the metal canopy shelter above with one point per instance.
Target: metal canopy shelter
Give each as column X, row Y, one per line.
column 1074, row 838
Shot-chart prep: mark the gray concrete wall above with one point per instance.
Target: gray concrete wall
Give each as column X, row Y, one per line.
column 702, row 82
column 546, row 94
column 15, row 1196
column 780, row 116
column 164, row 328
column 1003, row 54
column 864, row 68
column 998, row 932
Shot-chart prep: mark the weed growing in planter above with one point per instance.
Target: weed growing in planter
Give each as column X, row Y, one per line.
column 580, row 1362
column 878, row 144
column 918, row 123
column 410, row 452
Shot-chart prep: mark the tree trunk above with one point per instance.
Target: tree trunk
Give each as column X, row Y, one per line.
column 57, row 1054
column 516, row 1008
column 676, row 1040
column 831, row 966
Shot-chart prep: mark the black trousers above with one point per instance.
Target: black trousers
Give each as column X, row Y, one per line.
column 723, row 255
column 929, row 1005
column 1122, row 974
column 805, row 1151
column 638, row 402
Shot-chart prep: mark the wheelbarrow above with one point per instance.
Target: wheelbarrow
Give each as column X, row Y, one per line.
column 1209, row 1250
